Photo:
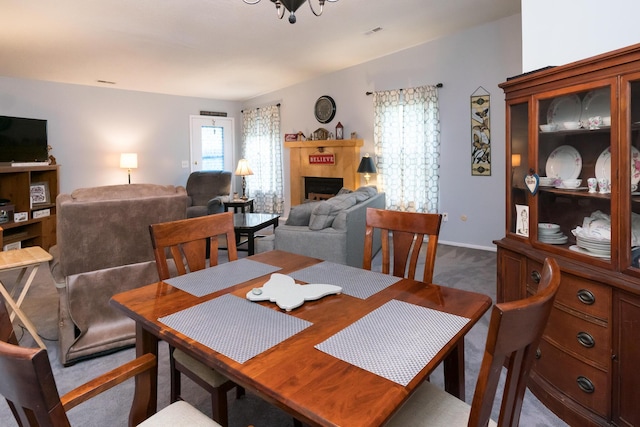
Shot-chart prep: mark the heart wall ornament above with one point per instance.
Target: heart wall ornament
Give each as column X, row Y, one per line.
column 532, row 182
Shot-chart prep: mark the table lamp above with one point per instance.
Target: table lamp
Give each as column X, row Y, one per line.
column 366, row 167
column 129, row 161
column 243, row 170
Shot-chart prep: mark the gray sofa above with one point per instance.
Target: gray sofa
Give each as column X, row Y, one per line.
column 332, row 230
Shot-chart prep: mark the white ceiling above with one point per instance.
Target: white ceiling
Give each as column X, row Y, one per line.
column 218, row 49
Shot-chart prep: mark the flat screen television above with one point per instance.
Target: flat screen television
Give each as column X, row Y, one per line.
column 23, row 140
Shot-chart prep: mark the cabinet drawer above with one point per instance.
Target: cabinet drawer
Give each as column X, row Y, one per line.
column 585, row 384
column 585, row 296
column 590, row 340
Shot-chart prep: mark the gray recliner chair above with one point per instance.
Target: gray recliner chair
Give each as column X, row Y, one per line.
column 207, row 191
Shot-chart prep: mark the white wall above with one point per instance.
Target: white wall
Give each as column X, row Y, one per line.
column 89, row 127
column 483, row 56
column 557, row 32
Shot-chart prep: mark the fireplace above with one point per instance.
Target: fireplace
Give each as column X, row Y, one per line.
column 347, row 158
column 321, row 186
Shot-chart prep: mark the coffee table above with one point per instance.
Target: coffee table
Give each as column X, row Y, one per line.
column 247, row 224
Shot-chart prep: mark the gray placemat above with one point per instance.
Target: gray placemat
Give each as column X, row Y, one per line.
column 238, row 328
column 395, row 341
column 356, row 282
column 213, row 279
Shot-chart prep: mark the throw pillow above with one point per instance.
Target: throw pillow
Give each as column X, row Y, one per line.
column 344, row 190
column 367, row 189
column 323, row 215
column 301, row 214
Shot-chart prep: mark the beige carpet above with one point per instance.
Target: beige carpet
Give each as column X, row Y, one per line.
column 455, row 267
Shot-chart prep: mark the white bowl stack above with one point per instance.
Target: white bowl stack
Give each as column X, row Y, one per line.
column 551, row 233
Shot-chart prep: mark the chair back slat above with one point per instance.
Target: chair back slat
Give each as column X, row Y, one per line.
column 407, row 231
column 187, row 240
column 515, row 330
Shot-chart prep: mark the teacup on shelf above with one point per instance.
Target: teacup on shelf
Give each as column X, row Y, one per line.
column 571, row 125
column 571, row 183
column 547, row 181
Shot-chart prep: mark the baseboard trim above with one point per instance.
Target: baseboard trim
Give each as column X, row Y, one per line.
column 466, row 245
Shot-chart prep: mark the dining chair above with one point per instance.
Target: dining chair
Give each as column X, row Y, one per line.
column 30, row 389
column 407, row 231
column 514, row 332
column 187, row 241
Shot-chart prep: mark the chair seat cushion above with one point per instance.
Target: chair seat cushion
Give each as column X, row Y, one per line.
column 179, row 414
column 433, row 407
column 209, row 375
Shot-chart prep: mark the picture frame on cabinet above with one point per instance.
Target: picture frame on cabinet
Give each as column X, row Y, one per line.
column 39, row 193
column 522, row 220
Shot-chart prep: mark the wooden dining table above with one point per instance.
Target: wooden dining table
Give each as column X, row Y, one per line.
column 312, row 385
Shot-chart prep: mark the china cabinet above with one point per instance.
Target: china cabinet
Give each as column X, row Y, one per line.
column 39, row 226
column 578, row 121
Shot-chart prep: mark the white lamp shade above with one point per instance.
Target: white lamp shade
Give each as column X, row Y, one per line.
column 129, row 160
column 243, row 168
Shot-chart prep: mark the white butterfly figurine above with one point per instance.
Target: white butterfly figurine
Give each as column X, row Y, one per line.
column 288, row 294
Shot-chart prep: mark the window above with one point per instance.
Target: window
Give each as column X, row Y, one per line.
column 262, row 147
column 407, row 146
column 211, row 143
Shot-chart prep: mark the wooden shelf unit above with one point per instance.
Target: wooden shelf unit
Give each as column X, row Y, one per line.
column 15, row 185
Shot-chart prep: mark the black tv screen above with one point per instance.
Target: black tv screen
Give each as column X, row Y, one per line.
column 23, row 140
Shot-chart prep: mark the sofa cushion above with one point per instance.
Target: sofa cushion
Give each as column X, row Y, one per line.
column 367, row 189
column 301, row 214
column 344, row 190
column 326, row 211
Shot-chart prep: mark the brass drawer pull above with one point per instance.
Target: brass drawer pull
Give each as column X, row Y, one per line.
column 586, row 297
column 586, row 339
column 586, row 385
column 538, row 353
column 535, row 276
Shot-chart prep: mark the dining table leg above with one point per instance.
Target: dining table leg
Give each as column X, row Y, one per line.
column 454, row 371
column 145, row 398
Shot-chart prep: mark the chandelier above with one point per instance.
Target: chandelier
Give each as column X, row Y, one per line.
column 292, row 6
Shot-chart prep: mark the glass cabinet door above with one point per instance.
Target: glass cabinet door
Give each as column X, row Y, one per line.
column 575, row 159
column 519, row 137
column 630, row 201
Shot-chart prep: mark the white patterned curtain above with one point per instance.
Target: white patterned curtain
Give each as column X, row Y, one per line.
column 407, row 145
column 262, row 147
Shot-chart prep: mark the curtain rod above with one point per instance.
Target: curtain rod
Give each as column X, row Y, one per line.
column 371, row 93
column 257, row 108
